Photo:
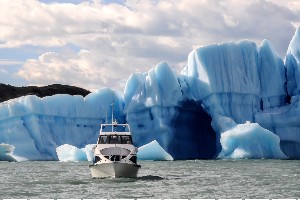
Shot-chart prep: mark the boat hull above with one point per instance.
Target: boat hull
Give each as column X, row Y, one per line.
column 115, row 170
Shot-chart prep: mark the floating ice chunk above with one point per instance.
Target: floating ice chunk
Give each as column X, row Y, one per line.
column 89, row 151
column 68, row 152
column 153, row 151
column 6, row 152
column 250, row 140
column 6, row 148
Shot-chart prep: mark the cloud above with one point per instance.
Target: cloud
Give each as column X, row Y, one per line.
column 10, row 62
column 80, row 69
column 115, row 40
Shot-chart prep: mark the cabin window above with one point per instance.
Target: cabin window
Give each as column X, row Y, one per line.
column 126, row 139
column 115, row 139
column 103, row 139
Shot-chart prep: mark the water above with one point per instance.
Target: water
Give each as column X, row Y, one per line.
column 168, row 179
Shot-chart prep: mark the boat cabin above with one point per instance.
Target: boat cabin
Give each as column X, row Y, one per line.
column 114, row 134
column 115, row 139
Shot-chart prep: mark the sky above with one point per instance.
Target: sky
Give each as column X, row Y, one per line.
column 98, row 43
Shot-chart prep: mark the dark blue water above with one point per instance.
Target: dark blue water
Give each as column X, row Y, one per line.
column 169, row 179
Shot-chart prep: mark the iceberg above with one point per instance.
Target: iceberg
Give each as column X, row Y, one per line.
column 88, row 150
column 36, row 126
column 153, row 151
column 200, row 113
column 158, row 107
column 6, row 149
column 264, row 144
column 284, row 121
column 292, row 62
column 6, row 152
column 68, row 152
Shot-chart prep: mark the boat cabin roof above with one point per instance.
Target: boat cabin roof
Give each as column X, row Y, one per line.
column 115, row 133
column 115, row 124
column 114, row 129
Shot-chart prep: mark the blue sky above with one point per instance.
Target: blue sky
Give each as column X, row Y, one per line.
column 99, row 43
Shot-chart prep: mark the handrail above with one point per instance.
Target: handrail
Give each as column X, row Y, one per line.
column 114, row 124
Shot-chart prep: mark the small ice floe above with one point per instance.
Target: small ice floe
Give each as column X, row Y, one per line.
column 6, row 151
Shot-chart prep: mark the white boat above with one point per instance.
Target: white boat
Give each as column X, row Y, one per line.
column 115, row 155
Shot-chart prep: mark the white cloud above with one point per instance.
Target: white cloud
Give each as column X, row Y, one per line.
column 230, row 21
column 81, row 69
column 293, row 5
column 10, row 62
column 122, row 39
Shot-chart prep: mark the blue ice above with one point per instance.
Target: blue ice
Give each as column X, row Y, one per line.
column 250, row 140
column 153, row 151
column 6, row 152
column 200, row 113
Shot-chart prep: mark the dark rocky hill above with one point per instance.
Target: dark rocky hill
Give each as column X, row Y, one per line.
column 10, row 92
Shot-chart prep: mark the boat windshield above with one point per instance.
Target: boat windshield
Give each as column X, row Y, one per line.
column 115, row 139
column 115, row 128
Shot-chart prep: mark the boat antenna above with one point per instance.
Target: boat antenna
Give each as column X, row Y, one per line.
column 112, row 116
column 106, row 117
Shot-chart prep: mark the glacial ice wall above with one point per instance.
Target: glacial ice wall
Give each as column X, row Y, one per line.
column 229, row 79
column 36, row 126
column 233, row 79
column 292, row 62
column 158, row 108
column 189, row 114
column 243, row 82
column 284, row 120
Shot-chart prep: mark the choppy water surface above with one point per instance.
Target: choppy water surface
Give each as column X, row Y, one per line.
column 168, row 179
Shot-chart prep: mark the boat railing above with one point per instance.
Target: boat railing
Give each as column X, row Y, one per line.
column 114, row 128
column 115, row 133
